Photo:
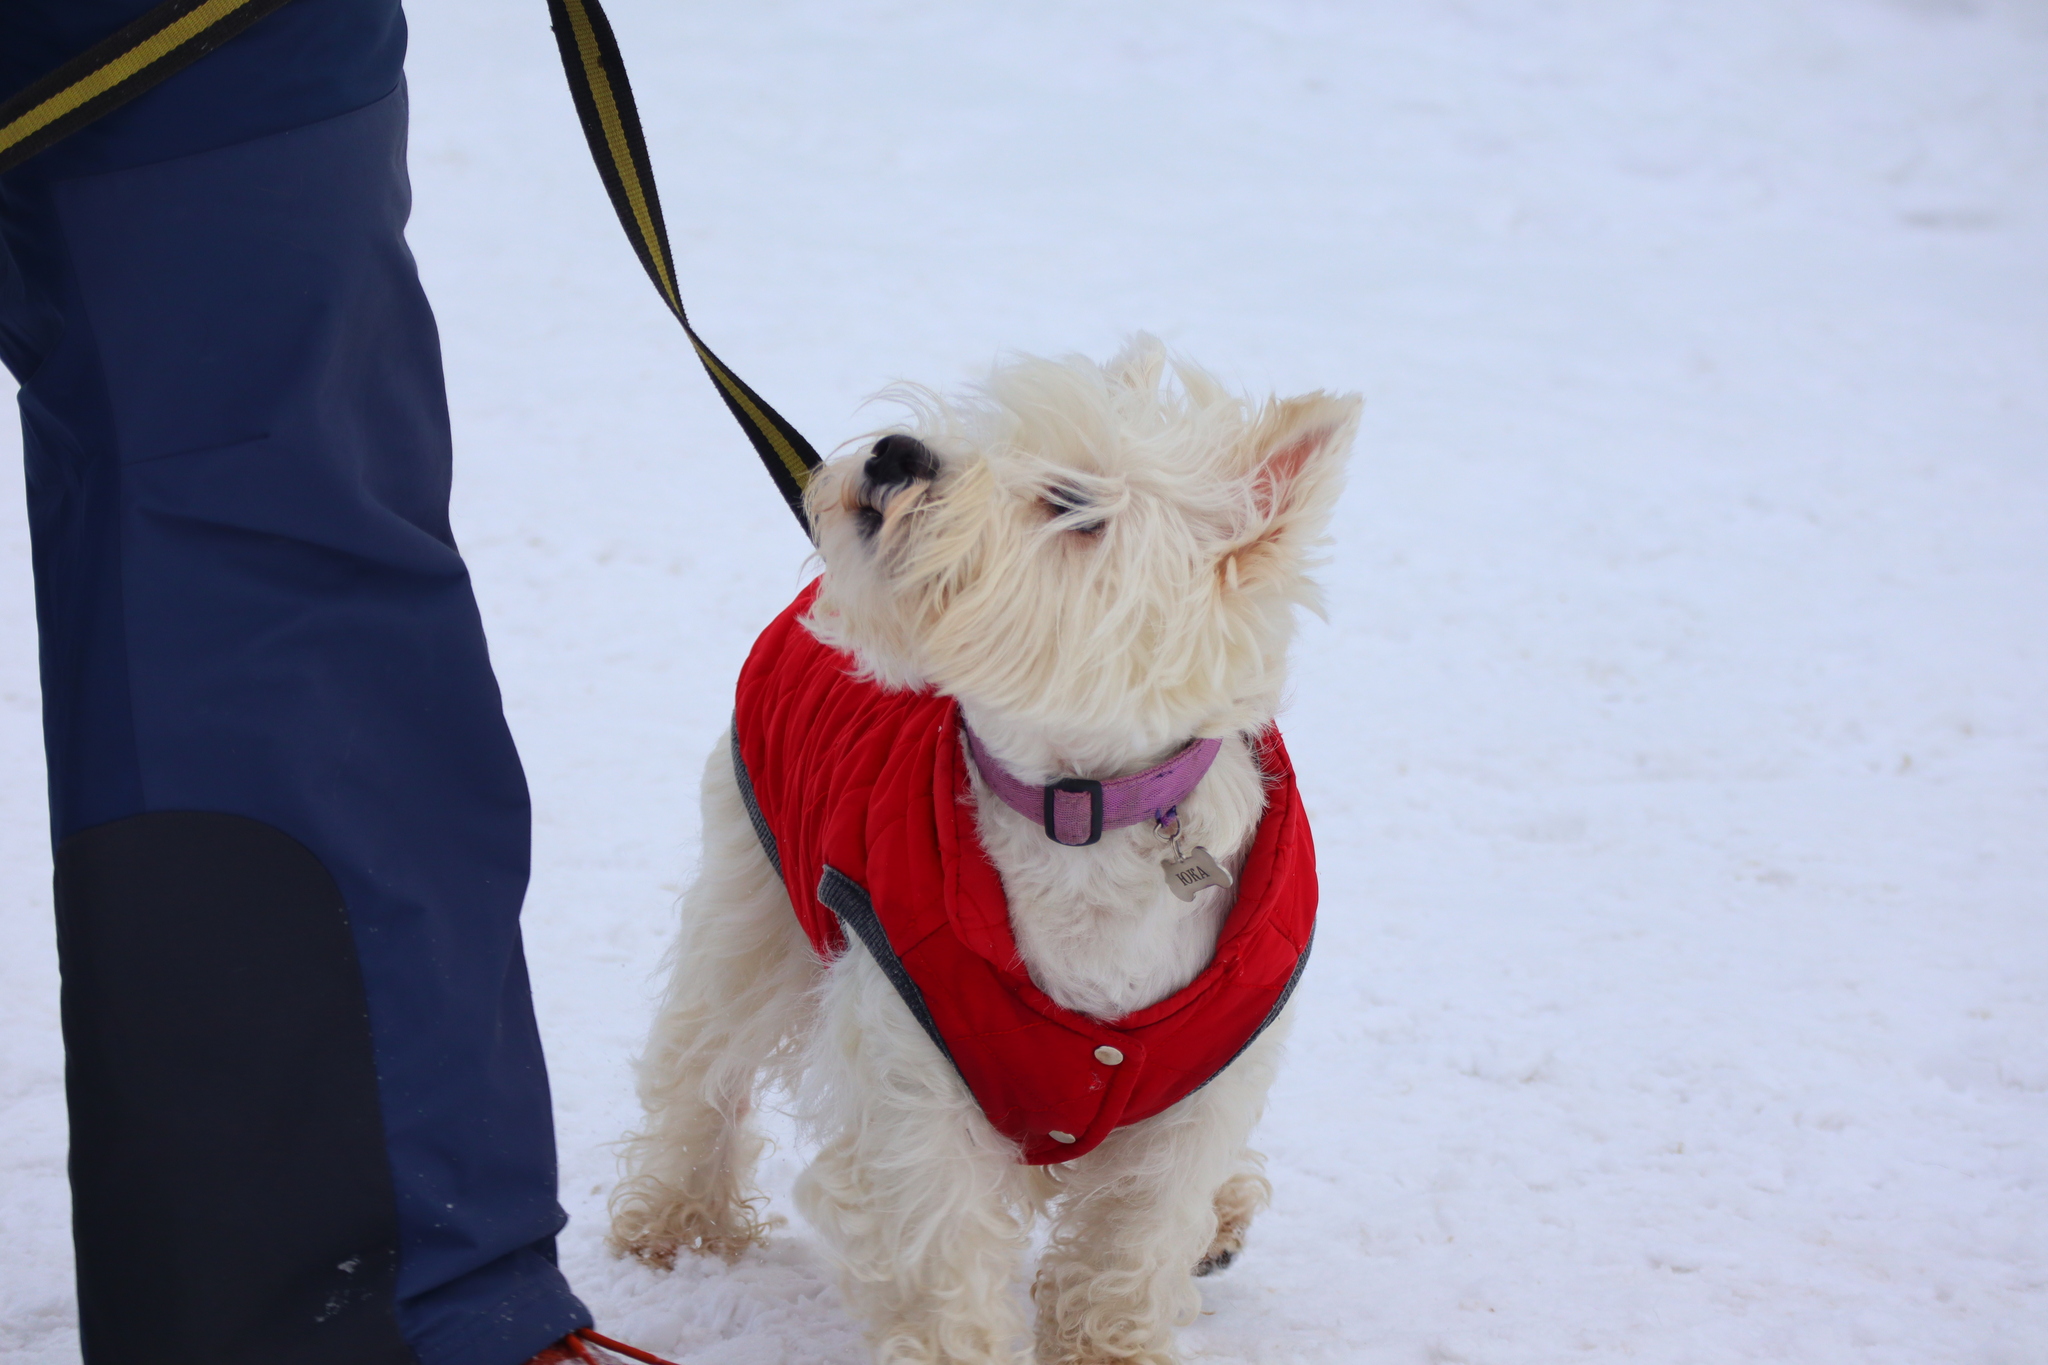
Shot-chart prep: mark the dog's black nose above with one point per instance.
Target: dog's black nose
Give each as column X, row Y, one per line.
column 900, row 459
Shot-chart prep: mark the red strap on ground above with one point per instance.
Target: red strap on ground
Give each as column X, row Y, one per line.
column 584, row 1334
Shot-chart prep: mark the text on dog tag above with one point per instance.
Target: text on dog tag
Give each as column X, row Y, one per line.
column 1196, row 872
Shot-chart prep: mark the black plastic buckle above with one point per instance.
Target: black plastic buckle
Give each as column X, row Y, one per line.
column 1074, row 786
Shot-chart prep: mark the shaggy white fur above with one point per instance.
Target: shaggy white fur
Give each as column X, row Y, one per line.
column 1100, row 563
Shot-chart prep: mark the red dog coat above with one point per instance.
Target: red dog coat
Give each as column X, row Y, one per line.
column 861, row 799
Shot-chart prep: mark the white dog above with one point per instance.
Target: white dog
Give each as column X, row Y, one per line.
column 1004, row 878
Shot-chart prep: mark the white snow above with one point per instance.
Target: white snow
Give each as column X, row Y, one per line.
column 1676, row 743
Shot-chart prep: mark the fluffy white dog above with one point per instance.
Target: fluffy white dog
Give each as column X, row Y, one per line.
column 1061, row 585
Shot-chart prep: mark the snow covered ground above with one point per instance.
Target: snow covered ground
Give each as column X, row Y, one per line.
column 1677, row 742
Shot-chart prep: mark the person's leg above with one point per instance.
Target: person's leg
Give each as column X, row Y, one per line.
column 310, row 1119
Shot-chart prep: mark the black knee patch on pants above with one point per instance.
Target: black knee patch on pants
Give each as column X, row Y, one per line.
column 232, row 1198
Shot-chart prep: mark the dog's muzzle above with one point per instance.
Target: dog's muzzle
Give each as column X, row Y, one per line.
column 898, row 460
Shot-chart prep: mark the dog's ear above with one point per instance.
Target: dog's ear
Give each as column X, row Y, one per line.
column 1293, row 472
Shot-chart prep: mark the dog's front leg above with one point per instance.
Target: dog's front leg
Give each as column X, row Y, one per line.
column 741, row 972
column 1140, row 1213
column 924, row 1203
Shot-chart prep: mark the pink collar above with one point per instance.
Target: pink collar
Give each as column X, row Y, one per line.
column 1077, row 809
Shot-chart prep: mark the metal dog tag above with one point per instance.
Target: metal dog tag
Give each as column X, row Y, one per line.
column 1187, row 876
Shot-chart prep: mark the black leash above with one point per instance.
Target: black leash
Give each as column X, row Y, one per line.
column 108, row 74
column 604, row 102
column 179, row 32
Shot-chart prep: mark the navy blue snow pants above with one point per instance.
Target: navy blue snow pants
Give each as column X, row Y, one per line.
column 309, row 1115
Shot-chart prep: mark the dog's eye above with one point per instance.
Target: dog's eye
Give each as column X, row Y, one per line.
column 1058, row 501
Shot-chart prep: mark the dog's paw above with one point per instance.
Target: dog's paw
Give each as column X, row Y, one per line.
column 1101, row 1356
column 731, row 1242
column 657, row 1252
column 1241, row 1197
column 658, row 1249
column 651, row 1224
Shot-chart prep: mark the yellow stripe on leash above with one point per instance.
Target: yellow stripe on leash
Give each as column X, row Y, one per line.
column 600, row 86
column 611, row 125
column 151, row 48
column 176, row 33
